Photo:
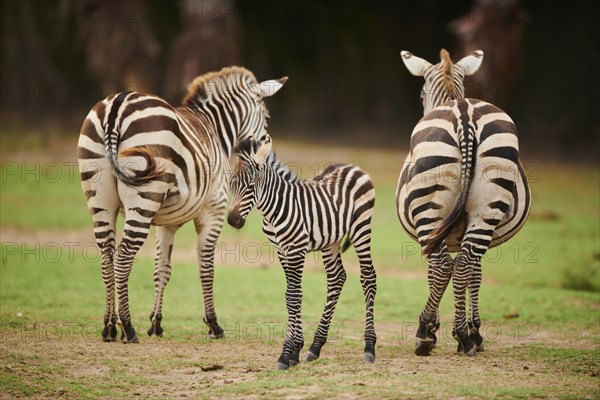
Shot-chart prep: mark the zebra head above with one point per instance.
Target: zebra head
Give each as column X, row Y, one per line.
column 444, row 80
column 234, row 100
column 256, row 122
column 252, row 155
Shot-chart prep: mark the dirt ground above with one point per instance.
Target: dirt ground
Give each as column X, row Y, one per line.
column 204, row 368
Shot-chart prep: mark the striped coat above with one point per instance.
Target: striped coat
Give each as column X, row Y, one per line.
column 462, row 189
column 162, row 165
column 300, row 216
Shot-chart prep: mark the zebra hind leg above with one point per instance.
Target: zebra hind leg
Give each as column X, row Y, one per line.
column 474, row 320
column 135, row 232
column 165, row 236
column 467, row 273
column 109, row 333
column 460, row 280
column 336, row 276
column 360, row 237
column 440, row 266
column 105, row 238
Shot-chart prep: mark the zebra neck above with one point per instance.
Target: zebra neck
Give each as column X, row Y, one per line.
column 223, row 120
column 272, row 185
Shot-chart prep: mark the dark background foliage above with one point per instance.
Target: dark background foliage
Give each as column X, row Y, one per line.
column 347, row 80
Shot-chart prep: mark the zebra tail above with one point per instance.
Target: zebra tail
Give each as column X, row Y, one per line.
column 468, row 151
column 139, row 177
column 346, row 244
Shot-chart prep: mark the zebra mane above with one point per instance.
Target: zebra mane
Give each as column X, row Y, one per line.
column 248, row 147
column 447, row 72
column 281, row 169
column 204, row 86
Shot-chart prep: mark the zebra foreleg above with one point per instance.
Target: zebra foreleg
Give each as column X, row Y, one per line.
column 165, row 236
column 209, row 226
column 336, row 276
column 293, row 264
column 474, row 320
column 440, row 271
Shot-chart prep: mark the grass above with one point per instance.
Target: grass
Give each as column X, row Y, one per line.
column 52, row 301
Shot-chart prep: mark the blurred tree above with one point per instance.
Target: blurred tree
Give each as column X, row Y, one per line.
column 209, row 40
column 120, row 47
column 31, row 81
column 342, row 56
column 496, row 27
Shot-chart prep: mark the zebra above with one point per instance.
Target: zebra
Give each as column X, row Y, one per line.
column 461, row 189
column 308, row 215
column 161, row 165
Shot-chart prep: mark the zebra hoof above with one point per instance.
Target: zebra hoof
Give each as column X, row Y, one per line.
column 128, row 333
column 477, row 339
column 294, row 358
column 369, row 358
column 467, row 347
column 218, row 335
column 125, row 340
column 310, row 356
column 281, row 366
column 109, row 333
column 472, row 352
column 214, row 330
column 155, row 329
column 423, row 347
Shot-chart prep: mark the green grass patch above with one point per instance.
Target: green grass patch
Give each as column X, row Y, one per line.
column 570, row 360
column 52, row 299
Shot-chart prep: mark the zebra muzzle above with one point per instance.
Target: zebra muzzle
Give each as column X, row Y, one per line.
column 235, row 220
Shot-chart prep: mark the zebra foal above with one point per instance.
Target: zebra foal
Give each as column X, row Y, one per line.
column 462, row 189
column 308, row 215
column 161, row 165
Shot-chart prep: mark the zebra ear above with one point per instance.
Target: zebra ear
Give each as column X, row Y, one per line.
column 415, row 65
column 263, row 152
column 472, row 62
column 272, row 86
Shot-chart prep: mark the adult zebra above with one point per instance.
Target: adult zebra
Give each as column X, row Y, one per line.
column 308, row 215
column 462, row 189
column 164, row 165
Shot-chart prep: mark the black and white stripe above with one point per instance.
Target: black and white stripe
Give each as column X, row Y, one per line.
column 462, row 189
column 300, row 216
column 163, row 165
